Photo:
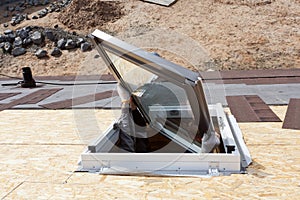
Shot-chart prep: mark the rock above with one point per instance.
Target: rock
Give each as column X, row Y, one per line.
column 61, row 43
column 18, row 51
column 79, row 41
column 36, row 2
column 13, row 23
column 22, row 33
column 56, row 26
column 5, row 25
column 2, row 38
column 85, row 47
column 18, row 42
column 5, row 15
column 10, row 8
column 7, row 47
column 8, row 31
column 11, row 37
column 37, row 38
column 26, row 17
column 70, row 44
column 56, row 52
column 28, row 28
column 18, row 8
column 41, row 53
column 17, row 19
column 45, row 2
column 2, row 44
column 34, row 17
column 49, row 35
column 42, row 13
column 27, row 42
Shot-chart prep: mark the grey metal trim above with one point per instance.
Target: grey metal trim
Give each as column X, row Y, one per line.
column 106, row 141
column 145, row 60
column 238, row 137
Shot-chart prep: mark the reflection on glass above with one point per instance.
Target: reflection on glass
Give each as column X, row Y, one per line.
column 133, row 75
column 166, row 105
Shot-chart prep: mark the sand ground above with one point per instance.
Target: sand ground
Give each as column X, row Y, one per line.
column 201, row 35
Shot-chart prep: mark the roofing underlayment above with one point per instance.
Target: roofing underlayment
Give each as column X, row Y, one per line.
column 40, row 147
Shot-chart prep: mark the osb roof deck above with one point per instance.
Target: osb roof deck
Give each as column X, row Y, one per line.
column 41, row 147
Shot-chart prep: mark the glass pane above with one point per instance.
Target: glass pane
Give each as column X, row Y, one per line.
column 133, row 75
column 166, row 105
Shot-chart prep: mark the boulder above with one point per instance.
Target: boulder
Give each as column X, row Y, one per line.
column 18, row 42
column 85, row 47
column 41, row 53
column 71, row 44
column 61, row 43
column 18, row 51
column 56, row 52
column 37, row 38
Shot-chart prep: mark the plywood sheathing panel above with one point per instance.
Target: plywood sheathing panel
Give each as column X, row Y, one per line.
column 292, row 118
column 34, row 127
column 274, row 174
column 251, row 108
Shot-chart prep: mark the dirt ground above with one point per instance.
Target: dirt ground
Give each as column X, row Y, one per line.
column 201, row 35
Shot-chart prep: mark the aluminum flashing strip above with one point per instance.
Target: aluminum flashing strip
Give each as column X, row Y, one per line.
column 161, row 2
column 7, row 95
column 34, row 97
column 80, row 100
column 251, row 108
column 292, row 117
